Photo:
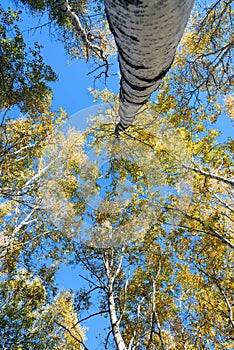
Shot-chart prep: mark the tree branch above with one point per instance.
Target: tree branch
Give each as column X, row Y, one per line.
column 131, row 346
column 63, row 6
column 73, row 336
column 212, row 231
column 223, row 203
column 210, row 175
column 92, row 315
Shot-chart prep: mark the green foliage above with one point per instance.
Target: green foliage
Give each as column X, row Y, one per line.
column 30, row 318
column 24, row 76
column 83, row 29
column 28, row 321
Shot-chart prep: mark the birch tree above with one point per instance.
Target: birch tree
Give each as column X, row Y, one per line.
column 31, row 317
column 29, row 321
column 147, row 34
column 169, row 283
column 170, row 287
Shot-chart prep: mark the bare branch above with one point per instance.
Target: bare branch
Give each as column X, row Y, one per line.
column 223, row 203
column 84, row 260
column 92, row 315
column 42, row 171
column 74, row 337
column 25, row 221
column 107, row 339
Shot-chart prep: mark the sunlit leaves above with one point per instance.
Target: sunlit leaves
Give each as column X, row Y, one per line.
column 229, row 104
column 205, row 54
column 29, row 321
column 24, row 76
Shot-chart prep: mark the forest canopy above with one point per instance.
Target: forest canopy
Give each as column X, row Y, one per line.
column 144, row 221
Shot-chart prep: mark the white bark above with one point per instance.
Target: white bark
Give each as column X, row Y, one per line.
column 115, row 323
column 115, row 320
column 228, row 181
column 147, row 33
column 64, row 6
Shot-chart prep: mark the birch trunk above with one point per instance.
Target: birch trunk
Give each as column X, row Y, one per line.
column 115, row 321
column 147, row 33
column 115, row 324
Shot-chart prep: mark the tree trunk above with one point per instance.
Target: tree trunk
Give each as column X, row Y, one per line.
column 115, row 324
column 147, row 33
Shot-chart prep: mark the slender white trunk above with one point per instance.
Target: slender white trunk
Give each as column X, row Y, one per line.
column 115, row 323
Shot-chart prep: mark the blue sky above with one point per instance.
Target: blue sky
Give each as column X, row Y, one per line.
column 71, row 90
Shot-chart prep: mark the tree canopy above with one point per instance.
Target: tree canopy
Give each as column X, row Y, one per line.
column 145, row 220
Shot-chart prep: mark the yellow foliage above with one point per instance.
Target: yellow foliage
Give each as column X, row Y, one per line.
column 229, row 104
